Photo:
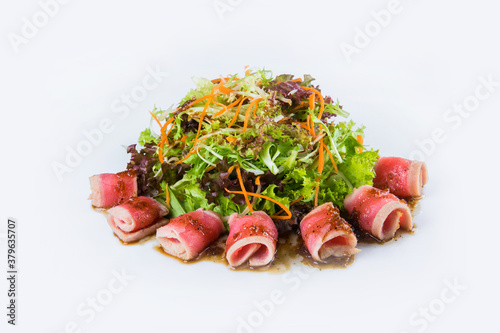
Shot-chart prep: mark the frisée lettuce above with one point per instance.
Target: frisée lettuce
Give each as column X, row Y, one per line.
column 251, row 142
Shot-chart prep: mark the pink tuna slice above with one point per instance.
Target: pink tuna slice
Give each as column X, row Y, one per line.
column 378, row 212
column 109, row 189
column 402, row 177
column 135, row 214
column 129, row 237
column 251, row 238
column 186, row 236
column 327, row 234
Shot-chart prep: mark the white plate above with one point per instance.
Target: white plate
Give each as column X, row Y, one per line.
column 73, row 73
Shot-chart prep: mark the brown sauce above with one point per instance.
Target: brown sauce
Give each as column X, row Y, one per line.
column 414, row 204
column 290, row 249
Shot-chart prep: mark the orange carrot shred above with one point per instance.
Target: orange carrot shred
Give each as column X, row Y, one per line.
column 266, row 198
column 247, row 115
column 171, row 128
column 210, row 99
column 316, row 192
column 305, row 125
column 331, row 159
column 321, row 158
column 237, row 112
column 160, row 150
column 167, row 196
column 224, row 89
column 225, row 108
column 201, row 99
column 311, row 102
column 231, row 139
column 244, row 192
column 300, row 106
column 359, row 138
column 155, row 118
column 164, row 127
column 296, row 200
column 321, row 100
column 164, row 136
column 201, row 119
column 247, row 70
column 257, row 180
column 230, row 170
column 277, row 217
column 188, row 155
column 321, row 164
column 311, row 125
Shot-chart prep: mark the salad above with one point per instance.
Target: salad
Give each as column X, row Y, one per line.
column 252, row 142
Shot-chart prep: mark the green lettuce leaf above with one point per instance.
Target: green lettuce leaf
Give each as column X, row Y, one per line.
column 358, row 168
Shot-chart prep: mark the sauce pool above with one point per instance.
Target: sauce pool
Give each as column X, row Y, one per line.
column 290, row 249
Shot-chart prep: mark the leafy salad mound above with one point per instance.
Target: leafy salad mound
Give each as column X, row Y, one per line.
column 255, row 142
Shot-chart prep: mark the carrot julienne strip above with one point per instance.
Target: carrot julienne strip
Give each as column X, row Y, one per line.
column 311, row 102
column 201, row 119
column 321, row 100
column 247, row 115
column 164, row 136
column 188, row 155
column 207, row 104
column 155, row 118
column 226, row 107
column 300, row 106
column 197, row 134
column 321, row 164
column 277, row 217
column 305, row 125
column 244, row 192
column 321, row 158
column 331, row 159
column 224, row 89
column 359, row 138
column 202, row 99
column 164, row 127
column 266, row 198
column 160, row 149
column 310, row 124
column 170, row 130
column 296, row 200
column 237, row 112
column 316, row 192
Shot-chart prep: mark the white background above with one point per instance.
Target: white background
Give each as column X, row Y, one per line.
column 70, row 73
